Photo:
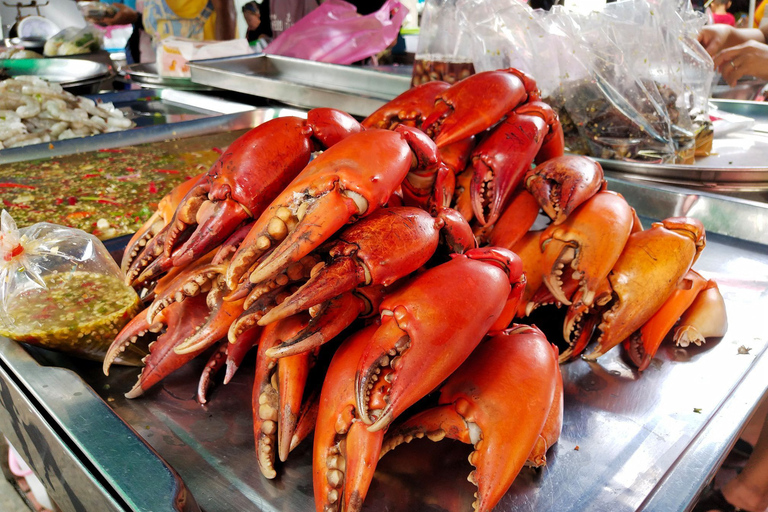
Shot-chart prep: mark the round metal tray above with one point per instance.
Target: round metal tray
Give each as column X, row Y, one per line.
column 60, row 70
column 146, row 75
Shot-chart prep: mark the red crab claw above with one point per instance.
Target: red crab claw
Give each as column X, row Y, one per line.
column 561, row 184
column 409, row 108
column 581, row 319
column 501, row 160
column 179, row 321
column 528, row 249
column 498, row 401
column 144, row 240
column 350, row 180
column 345, row 452
column 553, row 426
column 248, row 176
column 212, row 367
column 330, row 318
column 239, row 349
column 462, row 200
column 589, row 241
column 643, row 344
column 645, row 275
column 380, row 249
column 429, row 327
column 705, row 318
column 278, row 390
column 249, row 318
column 476, row 103
column 517, row 218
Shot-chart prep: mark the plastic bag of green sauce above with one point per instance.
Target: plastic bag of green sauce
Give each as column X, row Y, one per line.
column 60, row 289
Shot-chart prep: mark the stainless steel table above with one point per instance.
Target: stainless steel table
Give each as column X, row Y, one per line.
column 630, row 441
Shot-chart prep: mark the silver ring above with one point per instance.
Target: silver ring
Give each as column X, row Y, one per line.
column 732, row 64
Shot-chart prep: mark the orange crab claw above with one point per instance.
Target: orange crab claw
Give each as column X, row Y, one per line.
column 581, row 319
column 237, row 351
column 403, row 238
column 645, row 275
column 553, row 426
column 643, row 344
column 215, row 363
column 518, row 217
column 476, row 103
column 499, row 401
column 350, row 180
column 429, row 327
column 705, row 318
column 145, row 239
column 248, row 176
column 278, row 390
column 345, row 452
column 590, row 241
column 561, row 184
column 409, row 108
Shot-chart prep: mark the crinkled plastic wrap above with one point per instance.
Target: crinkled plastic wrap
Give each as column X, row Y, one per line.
column 60, row 289
column 74, row 41
column 629, row 82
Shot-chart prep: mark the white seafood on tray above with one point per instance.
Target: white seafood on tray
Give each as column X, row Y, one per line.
column 33, row 111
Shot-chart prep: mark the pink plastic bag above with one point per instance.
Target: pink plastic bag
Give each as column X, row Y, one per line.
column 335, row 33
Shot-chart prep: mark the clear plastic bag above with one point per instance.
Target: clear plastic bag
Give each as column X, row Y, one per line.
column 626, row 81
column 74, row 41
column 61, row 289
column 336, row 33
column 443, row 52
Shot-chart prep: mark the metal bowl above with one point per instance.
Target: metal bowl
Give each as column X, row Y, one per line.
column 62, row 71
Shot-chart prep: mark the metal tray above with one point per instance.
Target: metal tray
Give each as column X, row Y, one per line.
column 650, row 442
column 146, row 75
column 61, row 71
column 737, row 160
column 354, row 89
column 160, row 114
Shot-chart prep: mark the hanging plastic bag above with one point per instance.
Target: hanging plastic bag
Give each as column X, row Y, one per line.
column 335, row 33
column 60, row 289
column 618, row 78
column 443, row 52
column 74, row 41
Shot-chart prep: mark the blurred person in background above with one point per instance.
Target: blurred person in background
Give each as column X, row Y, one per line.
column 284, row 13
column 256, row 16
column 720, row 12
column 737, row 52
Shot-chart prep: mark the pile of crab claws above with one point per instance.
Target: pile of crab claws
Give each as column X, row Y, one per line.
column 561, row 184
column 480, row 404
column 342, row 184
column 250, row 317
column 430, row 314
column 409, row 108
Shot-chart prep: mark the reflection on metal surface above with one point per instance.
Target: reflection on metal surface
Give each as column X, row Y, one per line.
column 304, row 83
column 145, row 74
column 61, row 71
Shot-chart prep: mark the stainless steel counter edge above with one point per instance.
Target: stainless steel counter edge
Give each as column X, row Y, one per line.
column 729, row 216
column 83, row 444
column 679, row 489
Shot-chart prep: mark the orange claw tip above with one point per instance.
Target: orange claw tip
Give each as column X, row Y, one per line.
column 705, row 318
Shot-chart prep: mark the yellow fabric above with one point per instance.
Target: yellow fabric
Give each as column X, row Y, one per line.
column 759, row 12
column 187, row 8
column 209, row 31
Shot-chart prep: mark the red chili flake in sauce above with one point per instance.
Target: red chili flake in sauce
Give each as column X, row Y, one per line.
column 217, row 150
column 152, row 188
column 16, row 185
column 166, row 171
column 91, row 175
column 111, row 151
column 59, row 200
column 71, row 200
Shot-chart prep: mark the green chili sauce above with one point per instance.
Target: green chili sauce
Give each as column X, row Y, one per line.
column 78, row 312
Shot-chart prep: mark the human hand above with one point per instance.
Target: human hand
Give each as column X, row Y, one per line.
column 714, row 37
column 124, row 16
column 750, row 59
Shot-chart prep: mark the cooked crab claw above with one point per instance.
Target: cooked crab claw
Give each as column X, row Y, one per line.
column 363, row 254
column 498, row 401
column 215, row 363
column 643, row 344
column 430, row 325
column 248, row 176
column 350, row 180
column 705, row 318
column 345, row 452
column 476, row 103
column 645, row 275
column 409, row 108
column 330, row 318
column 278, row 392
column 144, row 242
column 589, row 241
column 561, row 184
